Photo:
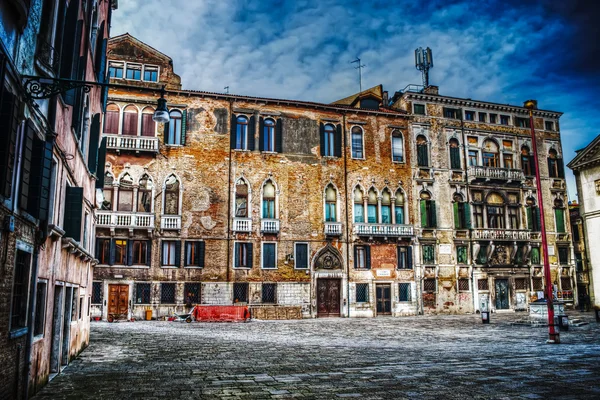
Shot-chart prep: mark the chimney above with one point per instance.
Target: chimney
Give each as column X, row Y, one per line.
column 385, row 99
column 431, row 90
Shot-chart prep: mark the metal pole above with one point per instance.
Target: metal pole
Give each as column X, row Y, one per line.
column 553, row 335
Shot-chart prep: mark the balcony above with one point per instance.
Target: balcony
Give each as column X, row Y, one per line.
column 120, row 219
column 333, row 228
column 495, row 173
column 501, row 234
column 132, row 143
column 170, row 222
column 268, row 225
column 242, row 225
column 383, row 230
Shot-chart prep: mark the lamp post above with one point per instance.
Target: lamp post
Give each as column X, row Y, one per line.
column 553, row 335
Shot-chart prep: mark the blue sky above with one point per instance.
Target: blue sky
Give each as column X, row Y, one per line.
column 501, row 51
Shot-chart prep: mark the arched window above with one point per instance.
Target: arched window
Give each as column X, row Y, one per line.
column 372, row 212
column 427, row 208
column 490, row 154
column 145, row 194
column 241, row 199
column 329, row 141
column 533, row 215
column 241, row 133
column 148, row 124
column 495, row 211
column 357, row 142
column 359, row 207
column 269, row 135
column 559, row 215
column 555, row 165
column 174, row 128
column 171, row 190
column 130, row 120
column 527, row 161
column 386, row 207
column 462, row 213
column 422, row 151
column 111, row 119
column 125, row 202
column 454, row 154
column 330, row 204
column 107, row 192
column 399, row 207
column 268, row 210
column 397, row 146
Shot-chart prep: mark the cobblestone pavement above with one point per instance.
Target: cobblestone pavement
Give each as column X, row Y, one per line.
column 447, row 357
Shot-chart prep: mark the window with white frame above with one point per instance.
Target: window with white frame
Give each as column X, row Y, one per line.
column 150, row 73
column 125, row 193
column 174, row 133
column 133, row 71
column 301, row 255
column 269, row 255
column 241, row 199
column 115, row 69
column 399, row 207
column 170, row 253
column 386, row 207
column 144, row 196
column 372, row 209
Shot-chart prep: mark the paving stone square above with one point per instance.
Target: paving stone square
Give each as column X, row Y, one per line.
column 447, row 357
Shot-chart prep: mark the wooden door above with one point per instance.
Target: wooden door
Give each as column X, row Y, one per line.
column 502, row 302
column 384, row 299
column 328, row 297
column 118, row 299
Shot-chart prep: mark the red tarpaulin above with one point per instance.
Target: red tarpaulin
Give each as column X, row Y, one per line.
column 221, row 313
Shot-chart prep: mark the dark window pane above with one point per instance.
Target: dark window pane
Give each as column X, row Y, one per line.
column 40, row 308
column 240, row 292
column 269, row 293
column 362, row 292
column 191, row 293
column 404, row 292
column 142, row 293
column 167, row 293
column 97, row 293
column 301, row 256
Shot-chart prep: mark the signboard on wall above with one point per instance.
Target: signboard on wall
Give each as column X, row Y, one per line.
column 384, row 272
column 445, row 249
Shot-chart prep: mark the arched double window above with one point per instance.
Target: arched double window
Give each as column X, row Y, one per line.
column 330, row 203
column 241, row 199
column 268, row 200
column 422, row 151
column 172, row 193
column 144, row 195
column 495, row 211
column 490, row 154
column 359, row 207
column 125, row 202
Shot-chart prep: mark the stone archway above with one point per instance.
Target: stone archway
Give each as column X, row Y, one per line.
column 328, row 272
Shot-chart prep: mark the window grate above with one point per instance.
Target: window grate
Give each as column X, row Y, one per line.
column 482, row 284
column 269, row 293
column 240, row 292
column 142, row 293
column 429, row 285
column 565, row 283
column 192, row 293
column 463, row 285
column 537, row 284
column 167, row 293
column 362, row 292
column 404, row 291
column 97, row 293
column 520, row 284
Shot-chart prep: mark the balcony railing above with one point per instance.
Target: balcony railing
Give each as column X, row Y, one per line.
column 242, row 224
column 387, row 230
column 268, row 225
column 505, row 174
column 170, row 222
column 501, row 234
column 333, row 228
column 133, row 143
column 120, row 219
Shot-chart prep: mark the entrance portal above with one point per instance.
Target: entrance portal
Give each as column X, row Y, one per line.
column 118, row 300
column 502, row 294
column 384, row 299
column 328, row 297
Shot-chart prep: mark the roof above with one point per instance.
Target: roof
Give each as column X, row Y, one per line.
column 127, row 36
column 375, row 91
column 586, row 156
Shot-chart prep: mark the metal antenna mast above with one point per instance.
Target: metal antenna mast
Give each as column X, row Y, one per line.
column 359, row 68
column 226, row 89
column 424, row 62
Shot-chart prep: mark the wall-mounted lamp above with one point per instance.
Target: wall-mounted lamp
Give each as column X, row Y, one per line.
column 161, row 115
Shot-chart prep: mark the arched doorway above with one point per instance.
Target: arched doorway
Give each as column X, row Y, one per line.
column 328, row 272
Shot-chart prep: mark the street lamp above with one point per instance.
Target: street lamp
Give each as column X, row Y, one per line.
column 161, row 115
column 553, row 335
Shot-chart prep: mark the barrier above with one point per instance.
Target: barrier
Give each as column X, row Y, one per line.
column 221, row 313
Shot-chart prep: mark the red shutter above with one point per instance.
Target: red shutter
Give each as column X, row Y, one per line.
column 148, row 125
column 130, row 123
column 111, row 122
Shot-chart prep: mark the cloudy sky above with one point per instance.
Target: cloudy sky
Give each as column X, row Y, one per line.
column 504, row 51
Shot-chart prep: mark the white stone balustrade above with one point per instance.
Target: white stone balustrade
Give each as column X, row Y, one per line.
column 269, row 225
column 505, row 174
column 121, row 219
column 134, row 143
column 333, row 228
column 170, row 222
column 388, row 230
column 501, row 234
column 242, row 224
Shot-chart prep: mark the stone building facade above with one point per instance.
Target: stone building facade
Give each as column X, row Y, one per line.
column 341, row 209
column 48, row 160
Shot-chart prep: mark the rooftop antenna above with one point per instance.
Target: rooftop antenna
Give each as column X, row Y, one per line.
column 359, row 68
column 423, row 62
column 226, row 89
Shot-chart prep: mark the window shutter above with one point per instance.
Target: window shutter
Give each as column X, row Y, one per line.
column 250, row 255
column 177, row 253
column 73, row 59
column 368, row 257
column 409, row 260
column 201, row 247
column 456, row 216
column 111, row 259
column 166, row 133
column 162, row 252
column 422, row 159
column 338, row 141
column 322, row 138
column 236, row 259
column 251, row 133
column 467, row 215
column 27, row 155
column 98, row 248
column 454, row 158
column 398, row 257
column 433, row 213
column 261, row 134
column 278, row 137
column 94, row 142
column 129, row 260
column 561, row 168
column 560, row 220
column 149, row 252
column 532, row 165
column 355, row 256
column 101, row 58
column 529, row 218
column 550, row 169
column 538, row 219
column 101, row 164
column 39, row 189
column 8, row 139
column 76, row 116
column 423, row 207
column 232, row 131
column 73, row 211
column 183, row 127
column 68, row 39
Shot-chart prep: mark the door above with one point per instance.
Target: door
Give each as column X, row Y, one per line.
column 118, row 299
column 57, row 316
column 383, row 294
column 66, row 334
column 502, row 294
column 328, row 297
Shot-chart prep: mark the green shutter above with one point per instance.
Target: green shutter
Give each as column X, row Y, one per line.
column 433, row 213
column 423, row 207
column 561, row 168
column 149, row 252
column 560, row 220
column 337, row 151
column 529, row 218
column 178, row 253
column 467, row 215
column 456, row 216
column 183, row 127
column 73, row 212
column 101, row 164
column 251, row 131
column 538, row 219
column 454, row 158
column 322, row 138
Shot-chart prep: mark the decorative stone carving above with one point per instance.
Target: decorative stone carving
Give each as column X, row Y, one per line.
column 328, row 258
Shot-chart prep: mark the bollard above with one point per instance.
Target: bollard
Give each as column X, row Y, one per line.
column 485, row 317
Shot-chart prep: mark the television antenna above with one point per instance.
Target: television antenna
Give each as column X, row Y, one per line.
column 359, row 68
column 424, row 62
column 226, row 88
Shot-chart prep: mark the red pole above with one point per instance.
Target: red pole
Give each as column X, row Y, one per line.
column 553, row 335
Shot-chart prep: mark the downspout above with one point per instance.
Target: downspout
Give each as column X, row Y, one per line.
column 229, row 198
column 30, row 318
column 347, row 217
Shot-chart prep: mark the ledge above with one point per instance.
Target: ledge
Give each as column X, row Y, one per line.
column 75, row 248
column 55, row 232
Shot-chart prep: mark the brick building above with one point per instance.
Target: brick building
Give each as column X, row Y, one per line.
column 49, row 151
column 362, row 207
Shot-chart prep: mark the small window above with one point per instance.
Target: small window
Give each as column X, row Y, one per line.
column 362, row 292
column 240, row 292
column 493, row 118
column 269, row 293
column 301, row 255
column 103, row 251
column 404, row 257
column 120, row 251
column 504, row 120
column 362, row 257
column 243, row 255
column 428, row 254
column 482, row 117
column 194, row 254
column 422, row 151
column 241, row 199
column 454, row 154
column 268, row 209
column 357, row 142
column 404, row 292
column 419, row 109
column 96, row 292
column 40, row 308
column 167, row 293
column 563, row 255
column 330, row 204
column 482, row 255
column 171, row 193
column 169, row 253
column 241, row 133
column 174, row 128
column 520, row 284
column 359, row 208
column 134, row 72
column 142, row 293
column 329, row 141
column 549, row 125
column 473, row 158
column 462, row 256
column 191, row 293
column 140, row 252
column 463, row 285
column 565, row 284
column 483, row 284
column 144, row 196
column 451, row 113
column 522, row 122
column 115, row 69
column 269, row 255
column 537, row 283
column 429, row 285
column 80, row 307
column 397, row 146
column 469, row 115
column 269, row 135
column 150, row 73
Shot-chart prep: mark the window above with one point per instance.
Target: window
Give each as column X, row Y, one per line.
column 559, row 216
column 167, row 293
column 555, row 165
column 429, row 285
column 397, row 146
column 508, row 160
column 357, row 142
column 362, row 292
column 330, row 204
column 566, row 284
column 482, row 117
column 463, row 285
column 107, row 192
column 428, row 254
column 535, row 255
column 115, row 69
column 241, row 133
column 513, row 218
column 490, row 154
column 504, row 120
column 269, row 255
column 150, row 73
column 454, row 154
column 120, row 251
column 362, row 257
column 144, row 196
column 427, row 208
column 134, row 71
column 469, row 115
column 575, row 230
column 473, row 158
column 527, row 161
column 329, row 141
column 74, row 298
column 359, row 210
column 191, row 293
column 386, row 207
column 80, row 307
column 422, row 151
column 103, row 251
column 125, row 193
column 462, row 256
column 579, row 262
column 522, row 122
column 404, row 257
column 268, row 139
column 451, row 113
column 174, row 128
column 483, row 284
column 478, row 215
column 301, row 255
column 141, row 252
column 268, row 209
column 493, row 118
column 404, row 292
column 240, row 292
column 462, row 217
column 399, row 207
column 549, row 125
column 142, row 293
column 96, row 292
column 170, row 253
column 171, row 202
column 40, row 308
column 241, row 199
column 269, row 293
column 243, row 255
column 148, row 124
column 194, row 254
column 537, row 283
column 372, row 208
column 520, row 284
column 534, row 222
column 130, row 121
column 495, row 211
column 419, row 109
column 111, row 119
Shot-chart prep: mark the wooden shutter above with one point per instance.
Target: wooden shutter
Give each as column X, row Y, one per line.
column 261, row 134
column 69, row 39
column 454, row 158
column 149, row 252
column 368, row 257
column 98, row 251
column 183, row 127
column 72, row 54
column 166, row 133
column 529, row 211
column 456, row 216
column 467, row 213
column 41, row 171
column 129, row 253
column 111, row 122
column 130, row 123
column 111, row 257
column 355, row 256
column 278, row 136
column 251, row 132
column 94, row 143
column 423, row 208
column 148, row 125
column 101, row 56
column 561, row 168
column 73, row 211
column 101, row 164
column 250, row 255
column 338, row 141
column 409, row 261
column 177, row 253
column 560, row 220
column 76, row 116
column 322, row 138
column 26, row 154
column 236, row 259
column 232, row 131
column 9, row 109
column 201, row 248
column 162, row 252
column 532, row 165
column 433, row 213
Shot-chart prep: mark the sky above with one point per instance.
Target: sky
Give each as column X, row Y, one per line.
column 504, row 51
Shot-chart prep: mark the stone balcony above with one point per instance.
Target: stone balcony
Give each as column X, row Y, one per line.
column 269, row 225
column 123, row 219
column 333, row 228
column 132, row 143
column 170, row 222
column 383, row 230
column 242, row 225
column 501, row 234
column 496, row 173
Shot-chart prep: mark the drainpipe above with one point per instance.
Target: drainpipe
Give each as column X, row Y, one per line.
column 31, row 318
column 229, row 198
column 347, row 217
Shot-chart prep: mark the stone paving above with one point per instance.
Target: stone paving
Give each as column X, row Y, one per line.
column 448, row 357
